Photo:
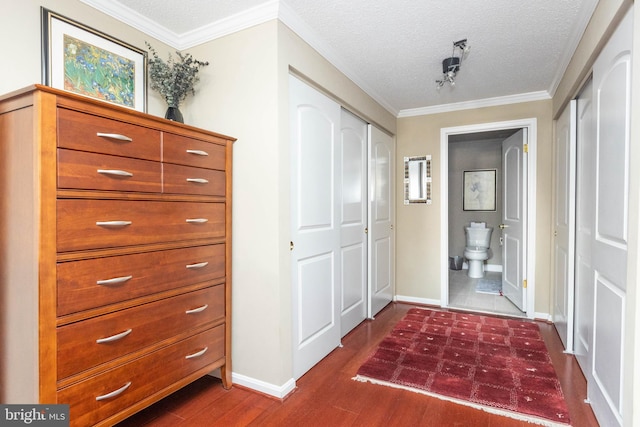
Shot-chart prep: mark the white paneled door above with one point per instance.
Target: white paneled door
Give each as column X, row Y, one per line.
column 381, row 220
column 612, row 90
column 353, row 222
column 514, row 218
column 342, row 213
column 564, row 224
column 585, row 220
column 315, row 224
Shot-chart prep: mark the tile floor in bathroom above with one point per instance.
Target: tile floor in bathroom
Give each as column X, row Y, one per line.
column 463, row 295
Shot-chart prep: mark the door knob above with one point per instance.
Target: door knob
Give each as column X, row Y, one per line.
column 503, row 226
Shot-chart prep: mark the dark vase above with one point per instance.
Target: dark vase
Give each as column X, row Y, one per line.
column 174, row 114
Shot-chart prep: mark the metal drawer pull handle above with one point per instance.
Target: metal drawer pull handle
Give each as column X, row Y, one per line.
column 198, row 180
column 198, row 265
column 114, row 281
column 114, row 393
column 197, row 310
column 197, row 354
column 197, row 220
column 115, row 337
column 115, row 136
column 115, row 172
column 198, row 152
column 113, row 223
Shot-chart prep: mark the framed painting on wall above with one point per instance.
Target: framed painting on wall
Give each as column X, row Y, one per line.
column 479, row 190
column 85, row 61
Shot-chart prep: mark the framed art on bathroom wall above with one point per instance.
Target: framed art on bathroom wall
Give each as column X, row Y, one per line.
column 479, row 190
column 85, row 61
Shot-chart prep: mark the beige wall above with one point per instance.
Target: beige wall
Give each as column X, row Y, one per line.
column 238, row 96
column 244, row 93
column 419, row 233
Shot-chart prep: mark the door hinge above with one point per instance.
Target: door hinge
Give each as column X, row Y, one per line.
column 526, row 148
column 291, row 245
column 524, row 283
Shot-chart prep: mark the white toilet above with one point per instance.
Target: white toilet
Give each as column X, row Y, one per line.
column 477, row 249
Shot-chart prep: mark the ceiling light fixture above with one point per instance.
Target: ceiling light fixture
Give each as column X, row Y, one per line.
column 451, row 65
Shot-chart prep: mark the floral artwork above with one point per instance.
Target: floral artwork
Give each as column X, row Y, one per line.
column 95, row 72
column 85, row 61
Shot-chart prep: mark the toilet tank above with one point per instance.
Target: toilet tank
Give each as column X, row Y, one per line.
column 478, row 237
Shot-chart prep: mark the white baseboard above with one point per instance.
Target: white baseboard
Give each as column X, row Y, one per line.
column 434, row 302
column 493, row 267
column 487, row 267
column 543, row 316
column 279, row 392
column 414, row 300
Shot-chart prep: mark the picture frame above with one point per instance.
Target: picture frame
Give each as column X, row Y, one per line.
column 479, row 190
column 82, row 60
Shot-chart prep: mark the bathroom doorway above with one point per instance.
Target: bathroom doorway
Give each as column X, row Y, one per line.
column 468, row 153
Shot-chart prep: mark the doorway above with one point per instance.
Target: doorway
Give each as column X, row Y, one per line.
column 493, row 149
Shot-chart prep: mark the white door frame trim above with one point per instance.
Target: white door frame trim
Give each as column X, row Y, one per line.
column 531, row 125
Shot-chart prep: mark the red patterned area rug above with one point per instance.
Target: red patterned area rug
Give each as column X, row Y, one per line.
column 499, row 365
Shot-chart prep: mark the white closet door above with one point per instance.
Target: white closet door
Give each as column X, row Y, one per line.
column 353, row 222
column 381, row 220
column 564, row 224
column 315, row 224
column 612, row 85
column 585, row 220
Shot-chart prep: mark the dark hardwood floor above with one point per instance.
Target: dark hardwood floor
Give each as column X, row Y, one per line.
column 327, row 395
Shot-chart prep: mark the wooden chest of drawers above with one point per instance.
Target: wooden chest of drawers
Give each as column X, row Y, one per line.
column 115, row 255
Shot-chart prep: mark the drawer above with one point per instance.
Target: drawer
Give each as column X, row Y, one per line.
column 187, row 151
column 86, row 132
column 140, row 378
column 83, row 345
column 92, row 283
column 93, row 224
column 190, row 180
column 90, row 171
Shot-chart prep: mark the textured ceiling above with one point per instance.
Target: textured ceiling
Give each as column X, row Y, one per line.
column 394, row 49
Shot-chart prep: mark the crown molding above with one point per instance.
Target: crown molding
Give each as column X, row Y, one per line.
column 135, row 20
column 479, row 103
column 240, row 21
column 223, row 27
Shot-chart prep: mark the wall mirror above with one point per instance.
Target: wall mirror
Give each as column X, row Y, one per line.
column 417, row 179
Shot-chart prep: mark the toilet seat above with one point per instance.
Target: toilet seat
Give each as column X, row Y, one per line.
column 475, row 249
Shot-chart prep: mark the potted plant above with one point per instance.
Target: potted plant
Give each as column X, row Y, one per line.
column 174, row 79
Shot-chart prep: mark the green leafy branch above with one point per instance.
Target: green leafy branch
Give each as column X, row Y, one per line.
column 174, row 79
